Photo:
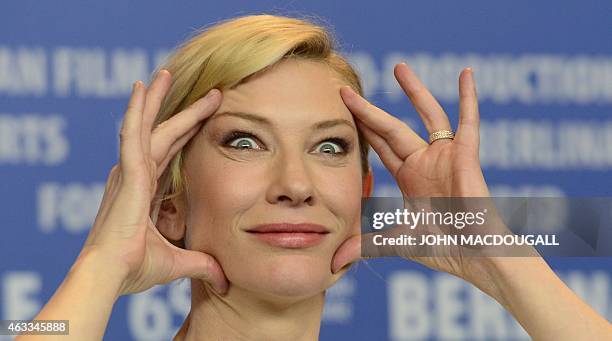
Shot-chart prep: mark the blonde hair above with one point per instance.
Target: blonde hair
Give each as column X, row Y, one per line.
column 227, row 54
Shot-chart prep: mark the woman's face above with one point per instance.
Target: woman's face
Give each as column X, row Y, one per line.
column 281, row 148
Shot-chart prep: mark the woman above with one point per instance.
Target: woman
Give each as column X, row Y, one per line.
column 242, row 167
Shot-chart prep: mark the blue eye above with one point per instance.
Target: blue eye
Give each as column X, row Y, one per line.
column 333, row 146
column 330, row 148
column 240, row 140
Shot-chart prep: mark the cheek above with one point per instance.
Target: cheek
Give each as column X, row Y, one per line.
column 223, row 193
column 220, row 192
column 341, row 191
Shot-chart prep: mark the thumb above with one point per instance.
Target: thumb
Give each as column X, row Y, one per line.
column 196, row 264
column 348, row 252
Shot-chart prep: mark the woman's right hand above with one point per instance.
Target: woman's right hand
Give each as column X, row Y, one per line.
column 123, row 237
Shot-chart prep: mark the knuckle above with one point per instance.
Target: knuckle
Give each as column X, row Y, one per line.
column 132, row 107
column 464, row 95
column 207, row 266
column 158, row 98
column 124, row 134
column 369, row 106
column 419, row 91
column 161, row 126
column 113, row 172
column 112, row 178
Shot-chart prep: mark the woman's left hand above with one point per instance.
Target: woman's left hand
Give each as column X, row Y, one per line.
column 444, row 168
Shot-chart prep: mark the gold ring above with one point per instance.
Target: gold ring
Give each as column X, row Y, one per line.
column 441, row 134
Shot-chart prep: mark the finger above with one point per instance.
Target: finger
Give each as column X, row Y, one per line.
column 171, row 130
column 391, row 161
column 468, row 131
column 196, row 264
column 131, row 158
column 348, row 252
column 176, row 146
column 110, row 190
column 155, row 96
column 402, row 140
column 426, row 105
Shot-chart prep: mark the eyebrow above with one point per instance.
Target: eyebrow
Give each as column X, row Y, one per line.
column 264, row 121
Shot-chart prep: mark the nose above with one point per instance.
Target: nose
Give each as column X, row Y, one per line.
column 291, row 182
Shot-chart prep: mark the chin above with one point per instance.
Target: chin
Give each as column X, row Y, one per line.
column 287, row 275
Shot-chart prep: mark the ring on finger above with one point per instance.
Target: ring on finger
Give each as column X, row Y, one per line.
column 441, row 134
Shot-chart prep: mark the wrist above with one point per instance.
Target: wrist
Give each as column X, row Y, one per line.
column 503, row 277
column 93, row 264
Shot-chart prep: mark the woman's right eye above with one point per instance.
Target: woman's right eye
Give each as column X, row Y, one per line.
column 241, row 140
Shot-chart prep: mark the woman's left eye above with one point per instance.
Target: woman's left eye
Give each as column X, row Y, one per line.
column 333, row 146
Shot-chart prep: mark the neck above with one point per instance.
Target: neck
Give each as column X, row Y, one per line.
column 244, row 315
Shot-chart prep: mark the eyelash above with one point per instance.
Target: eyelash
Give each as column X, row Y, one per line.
column 235, row 134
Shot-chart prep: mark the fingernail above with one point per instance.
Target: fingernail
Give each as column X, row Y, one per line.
column 211, row 94
column 338, row 268
column 136, row 85
column 348, row 90
column 221, row 290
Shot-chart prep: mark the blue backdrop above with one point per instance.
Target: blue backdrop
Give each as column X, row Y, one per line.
column 544, row 77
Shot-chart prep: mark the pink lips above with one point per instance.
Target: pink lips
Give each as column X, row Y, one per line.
column 291, row 236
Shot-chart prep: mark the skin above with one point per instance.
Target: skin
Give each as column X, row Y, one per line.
column 125, row 253
column 286, row 172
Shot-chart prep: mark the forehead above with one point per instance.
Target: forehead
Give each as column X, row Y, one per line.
column 294, row 91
